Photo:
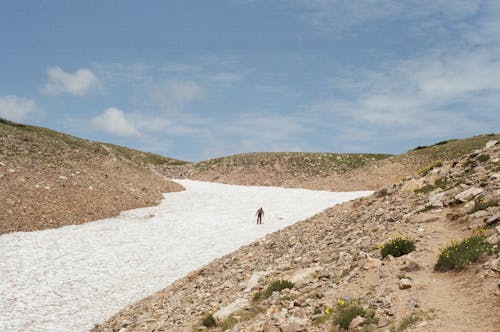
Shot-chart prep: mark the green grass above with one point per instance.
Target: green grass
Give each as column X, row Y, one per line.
column 244, row 315
column 407, row 322
column 346, row 313
column 458, row 255
column 209, row 321
column 483, row 158
column 397, row 247
column 277, row 286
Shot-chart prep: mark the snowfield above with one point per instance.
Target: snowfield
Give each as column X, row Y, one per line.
column 70, row 278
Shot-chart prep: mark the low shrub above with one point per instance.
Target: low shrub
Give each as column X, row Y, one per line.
column 483, row 158
column 397, row 247
column 276, row 286
column 209, row 321
column 458, row 255
column 346, row 313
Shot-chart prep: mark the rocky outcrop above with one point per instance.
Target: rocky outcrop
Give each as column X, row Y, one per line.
column 335, row 262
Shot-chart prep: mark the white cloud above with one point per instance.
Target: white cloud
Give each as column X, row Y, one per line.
column 441, row 93
column 116, row 122
column 17, row 108
column 77, row 84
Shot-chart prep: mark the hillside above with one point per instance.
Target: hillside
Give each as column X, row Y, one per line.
column 333, row 273
column 49, row 179
column 327, row 171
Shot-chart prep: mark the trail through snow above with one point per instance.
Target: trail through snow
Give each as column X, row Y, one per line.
column 69, row 278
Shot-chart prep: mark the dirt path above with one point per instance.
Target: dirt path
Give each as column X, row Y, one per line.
column 451, row 301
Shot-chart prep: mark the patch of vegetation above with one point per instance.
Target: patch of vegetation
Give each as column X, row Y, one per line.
column 296, row 163
column 482, row 204
column 425, row 189
column 483, row 158
column 209, row 321
column 397, row 247
column 444, row 183
column 326, row 315
column 243, row 315
column 257, row 296
column 408, row 321
column 429, row 168
column 228, row 323
column 277, row 286
column 458, row 255
column 446, row 150
column 347, row 312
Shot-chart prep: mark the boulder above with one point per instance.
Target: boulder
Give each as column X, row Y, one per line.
column 491, row 144
column 413, row 185
column 357, row 321
column 469, row 194
column 404, row 283
column 494, row 218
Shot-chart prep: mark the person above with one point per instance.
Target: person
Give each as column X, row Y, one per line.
column 260, row 214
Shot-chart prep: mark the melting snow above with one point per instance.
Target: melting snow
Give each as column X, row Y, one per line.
column 69, row 278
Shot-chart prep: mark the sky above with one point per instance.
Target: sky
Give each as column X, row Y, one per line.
column 195, row 80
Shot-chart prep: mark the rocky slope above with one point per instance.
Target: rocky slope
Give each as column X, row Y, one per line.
column 48, row 179
column 327, row 171
column 335, row 263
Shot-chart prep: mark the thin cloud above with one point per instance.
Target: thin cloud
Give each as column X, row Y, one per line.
column 17, row 108
column 174, row 94
column 434, row 95
column 78, row 84
column 116, row 122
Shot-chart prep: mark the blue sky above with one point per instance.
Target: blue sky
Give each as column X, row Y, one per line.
column 201, row 79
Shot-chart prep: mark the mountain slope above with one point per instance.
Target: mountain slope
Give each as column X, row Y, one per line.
column 334, row 260
column 327, row 171
column 49, row 179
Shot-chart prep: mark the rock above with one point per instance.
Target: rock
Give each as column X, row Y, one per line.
column 236, row 305
column 436, row 198
column 468, row 194
column 404, row 283
column 1, row 175
column 62, row 177
column 370, row 263
column 412, row 185
column 411, row 266
column 413, row 304
column 495, row 265
column 494, row 218
column 357, row 321
column 11, row 170
column 383, row 321
column 491, row 144
column 479, row 214
column 2, row 164
column 267, row 327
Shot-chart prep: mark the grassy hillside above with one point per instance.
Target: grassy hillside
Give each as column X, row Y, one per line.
column 445, row 150
column 296, row 163
column 50, row 179
column 46, row 143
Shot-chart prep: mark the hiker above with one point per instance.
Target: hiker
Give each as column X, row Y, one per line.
column 259, row 214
